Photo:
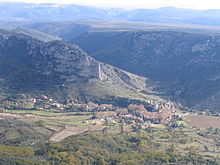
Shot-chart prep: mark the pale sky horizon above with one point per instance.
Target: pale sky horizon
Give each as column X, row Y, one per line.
column 130, row 4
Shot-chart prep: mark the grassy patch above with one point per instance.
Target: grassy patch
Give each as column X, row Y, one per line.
column 76, row 123
column 45, row 113
column 182, row 123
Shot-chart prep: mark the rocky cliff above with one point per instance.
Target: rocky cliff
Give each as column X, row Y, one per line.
column 62, row 70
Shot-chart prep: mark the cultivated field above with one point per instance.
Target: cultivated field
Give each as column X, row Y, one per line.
column 52, row 126
column 202, row 121
column 66, row 132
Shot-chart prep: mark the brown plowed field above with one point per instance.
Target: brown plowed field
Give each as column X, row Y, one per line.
column 202, row 121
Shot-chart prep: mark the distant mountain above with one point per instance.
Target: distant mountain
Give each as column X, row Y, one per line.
column 57, row 12
column 53, row 12
column 185, row 66
column 63, row 72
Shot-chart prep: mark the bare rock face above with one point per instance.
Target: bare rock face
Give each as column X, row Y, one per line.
column 24, row 60
column 55, row 57
column 69, row 61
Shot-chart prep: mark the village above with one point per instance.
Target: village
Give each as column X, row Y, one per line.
column 158, row 113
column 136, row 114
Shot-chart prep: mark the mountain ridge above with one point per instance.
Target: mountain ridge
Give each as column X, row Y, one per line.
column 57, row 12
column 61, row 69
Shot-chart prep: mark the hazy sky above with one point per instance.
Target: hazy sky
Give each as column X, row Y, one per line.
column 194, row 4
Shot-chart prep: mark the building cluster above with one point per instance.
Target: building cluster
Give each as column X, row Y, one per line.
column 38, row 103
column 134, row 114
column 163, row 116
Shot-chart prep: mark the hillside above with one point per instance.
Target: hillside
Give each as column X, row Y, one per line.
column 63, row 72
column 73, row 29
column 185, row 66
column 36, row 34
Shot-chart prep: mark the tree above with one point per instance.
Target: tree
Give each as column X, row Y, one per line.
column 122, row 127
